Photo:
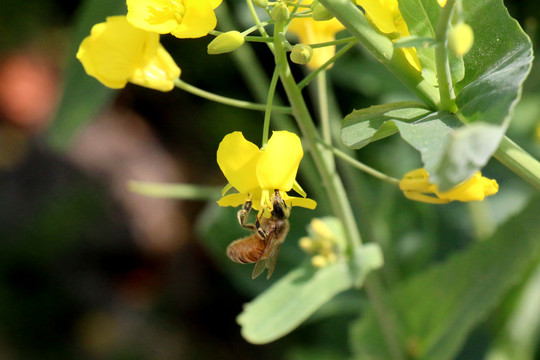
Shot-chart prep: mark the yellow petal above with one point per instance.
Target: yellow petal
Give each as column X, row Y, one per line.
column 114, row 50
column 153, row 15
column 278, row 164
column 237, row 158
column 198, row 20
column 233, row 200
column 381, row 13
column 474, row 189
column 159, row 71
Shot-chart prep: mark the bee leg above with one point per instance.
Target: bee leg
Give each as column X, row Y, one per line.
column 243, row 214
column 260, row 230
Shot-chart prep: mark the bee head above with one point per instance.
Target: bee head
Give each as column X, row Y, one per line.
column 281, row 210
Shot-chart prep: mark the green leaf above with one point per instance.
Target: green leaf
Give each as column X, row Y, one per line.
column 438, row 308
column 291, row 300
column 295, row 297
column 83, row 96
column 497, row 65
column 361, row 127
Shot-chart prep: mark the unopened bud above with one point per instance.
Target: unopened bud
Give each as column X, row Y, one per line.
column 319, row 261
column 321, row 14
column 461, row 39
column 301, row 54
column 226, row 42
column 306, row 244
column 280, row 12
column 261, row 3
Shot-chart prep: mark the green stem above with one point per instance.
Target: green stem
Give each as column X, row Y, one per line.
column 175, row 191
column 335, row 42
column 226, row 100
column 519, row 161
column 269, row 101
column 363, row 167
column 444, row 76
column 331, row 180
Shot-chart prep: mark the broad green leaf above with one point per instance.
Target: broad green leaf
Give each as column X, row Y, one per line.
column 361, row 127
column 496, row 66
column 450, row 153
column 83, row 96
column 295, row 297
column 438, row 308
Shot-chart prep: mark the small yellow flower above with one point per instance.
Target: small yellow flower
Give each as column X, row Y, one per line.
column 182, row 18
column 310, row 31
column 416, row 186
column 116, row 53
column 442, row 2
column 385, row 15
column 256, row 173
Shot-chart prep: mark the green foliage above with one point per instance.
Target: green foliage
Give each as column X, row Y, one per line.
column 439, row 307
column 486, row 96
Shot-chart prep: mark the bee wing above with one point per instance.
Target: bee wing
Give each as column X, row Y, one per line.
column 268, row 257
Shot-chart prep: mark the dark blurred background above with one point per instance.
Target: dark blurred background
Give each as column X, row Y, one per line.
column 89, row 270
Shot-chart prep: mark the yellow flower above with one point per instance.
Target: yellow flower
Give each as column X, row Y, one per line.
column 182, row 18
column 116, row 53
column 416, row 186
column 442, row 2
column 310, row 31
column 385, row 15
column 257, row 173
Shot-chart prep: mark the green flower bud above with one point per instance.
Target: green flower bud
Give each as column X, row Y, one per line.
column 226, row 42
column 261, row 3
column 461, row 39
column 301, row 54
column 280, row 12
column 321, row 14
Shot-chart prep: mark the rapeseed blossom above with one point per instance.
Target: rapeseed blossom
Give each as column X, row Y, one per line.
column 182, row 18
column 116, row 53
column 385, row 15
column 416, row 186
column 256, row 173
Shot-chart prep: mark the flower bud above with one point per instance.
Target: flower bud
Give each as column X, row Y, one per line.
column 461, row 39
column 321, row 14
column 261, row 3
column 280, row 12
column 319, row 261
column 226, row 42
column 301, row 54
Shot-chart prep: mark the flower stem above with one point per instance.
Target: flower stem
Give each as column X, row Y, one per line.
column 363, row 167
column 175, row 191
column 226, row 100
column 268, row 112
column 446, row 89
column 332, row 182
column 519, row 161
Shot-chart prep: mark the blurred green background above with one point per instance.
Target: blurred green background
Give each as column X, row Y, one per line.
column 89, row 270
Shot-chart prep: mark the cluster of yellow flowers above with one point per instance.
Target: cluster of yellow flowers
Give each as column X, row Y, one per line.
column 127, row 49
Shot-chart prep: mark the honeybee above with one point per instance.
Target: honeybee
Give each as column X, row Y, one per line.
column 261, row 247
